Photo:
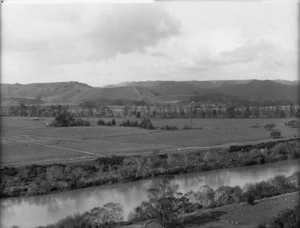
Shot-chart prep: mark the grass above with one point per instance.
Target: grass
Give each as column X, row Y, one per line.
column 24, row 140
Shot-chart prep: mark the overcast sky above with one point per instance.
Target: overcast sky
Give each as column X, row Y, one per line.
column 102, row 44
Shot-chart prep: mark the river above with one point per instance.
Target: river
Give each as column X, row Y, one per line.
column 41, row 210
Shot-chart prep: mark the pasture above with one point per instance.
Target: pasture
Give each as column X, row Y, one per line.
column 26, row 141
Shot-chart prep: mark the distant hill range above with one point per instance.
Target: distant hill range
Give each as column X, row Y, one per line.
column 149, row 92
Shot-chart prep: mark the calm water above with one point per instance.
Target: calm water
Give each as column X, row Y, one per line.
column 42, row 210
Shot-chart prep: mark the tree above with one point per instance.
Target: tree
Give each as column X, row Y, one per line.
column 227, row 195
column 230, row 112
column 164, row 204
column 292, row 110
column 205, row 196
column 109, row 215
column 146, row 124
column 23, row 110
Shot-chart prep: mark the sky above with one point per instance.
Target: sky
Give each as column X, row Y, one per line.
column 110, row 43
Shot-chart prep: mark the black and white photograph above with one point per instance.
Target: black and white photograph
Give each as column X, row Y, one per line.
column 149, row 114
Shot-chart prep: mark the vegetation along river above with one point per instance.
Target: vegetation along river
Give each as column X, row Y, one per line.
column 45, row 209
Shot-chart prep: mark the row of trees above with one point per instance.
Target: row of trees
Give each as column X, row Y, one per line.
column 180, row 111
column 145, row 123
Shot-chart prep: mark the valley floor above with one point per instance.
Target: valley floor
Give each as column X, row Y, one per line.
column 24, row 141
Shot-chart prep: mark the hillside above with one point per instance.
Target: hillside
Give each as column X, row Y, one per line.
column 244, row 89
column 266, row 89
column 150, row 92
column 71, row 93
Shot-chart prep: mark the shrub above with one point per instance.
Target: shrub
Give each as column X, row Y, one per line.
column 250, row 200
column 293, row 123
column 227, row 195
column 272, row 187
column 186, row 127
column 205, row 196
column 101, row 122
column 146, row 124
column 79, row 122
column 135, row 124
column 275, row 134
column 269, row 126
column 256, row 126
column 113, row 122
column 169, row 128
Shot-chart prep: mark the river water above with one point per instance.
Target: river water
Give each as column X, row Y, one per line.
column 41, row 210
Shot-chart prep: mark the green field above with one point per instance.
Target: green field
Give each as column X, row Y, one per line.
column 26, row 141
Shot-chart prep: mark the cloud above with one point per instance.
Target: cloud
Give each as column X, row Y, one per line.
column 247, row 53
column 58, row 34
column 206, row 50
column 107, row 43
column 132, row 28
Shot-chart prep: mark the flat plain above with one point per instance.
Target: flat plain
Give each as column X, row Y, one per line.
column 25, row 141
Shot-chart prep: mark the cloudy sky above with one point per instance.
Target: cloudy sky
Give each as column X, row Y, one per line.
column 102, row 44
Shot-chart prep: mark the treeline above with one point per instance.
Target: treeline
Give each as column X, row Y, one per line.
column 158, row 111
column 237, row 100
column 145, row 123
column 259, row 146
column 42, row 179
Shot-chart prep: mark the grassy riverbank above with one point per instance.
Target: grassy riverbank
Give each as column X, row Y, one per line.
column 43, row 179
column 242, row 215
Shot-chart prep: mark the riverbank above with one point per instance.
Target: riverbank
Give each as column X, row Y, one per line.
column 240, row 215
column 243, row 215
column 43, row 179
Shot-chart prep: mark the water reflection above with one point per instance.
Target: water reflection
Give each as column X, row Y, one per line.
column 37, row 210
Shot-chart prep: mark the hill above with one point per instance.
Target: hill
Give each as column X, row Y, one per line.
column 241, row 89
column 72, row 93
column 149, row 92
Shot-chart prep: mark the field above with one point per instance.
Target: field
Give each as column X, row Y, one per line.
column 26, row 141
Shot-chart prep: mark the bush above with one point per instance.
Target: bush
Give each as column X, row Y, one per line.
column 269, row 126
column 79, row 122
column 272, row 187
column 250, row 200
column 275, row 134
column 113, row 122
column 186, row 127
column 135, row 124
column 205, row 196
column 293, row 123
column 66, row 119
column 227, row 195
column 256, row 126
column 101, row 122
column 146, row 124
column 169, row 128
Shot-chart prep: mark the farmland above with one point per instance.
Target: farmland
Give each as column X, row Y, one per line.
column 26, row 141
